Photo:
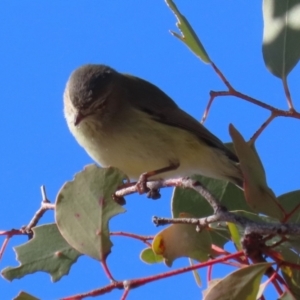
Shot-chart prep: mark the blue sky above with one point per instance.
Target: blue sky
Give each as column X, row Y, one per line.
column 42, row 42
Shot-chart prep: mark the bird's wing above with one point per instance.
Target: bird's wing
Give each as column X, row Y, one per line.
column 164, row 110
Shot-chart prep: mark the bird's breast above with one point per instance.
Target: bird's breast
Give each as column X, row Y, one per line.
column 134, row 144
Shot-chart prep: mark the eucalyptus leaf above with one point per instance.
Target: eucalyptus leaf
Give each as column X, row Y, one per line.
column 281, row 36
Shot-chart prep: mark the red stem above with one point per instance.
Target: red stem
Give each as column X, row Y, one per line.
column 142, row 238
column 134, row 283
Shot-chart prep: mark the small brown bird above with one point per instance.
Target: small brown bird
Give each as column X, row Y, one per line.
column 129, row 123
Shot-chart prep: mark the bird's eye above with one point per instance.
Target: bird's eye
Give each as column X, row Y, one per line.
column 85, row 105
column 99, row 105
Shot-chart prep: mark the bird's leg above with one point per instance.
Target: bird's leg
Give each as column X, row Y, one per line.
column 142, row 182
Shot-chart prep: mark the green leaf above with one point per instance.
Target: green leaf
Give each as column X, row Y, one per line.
column 293, row 242
column 240, row 284
column 188, row 36
column 235, row 235
column 281, row 37
column 258, row 195
column 189, row 201
column 182, row 240
column 25, row 296
column 196, row 274
column 262, row 289
column 291, row 204
column 150, row 257
column 290, row 274
column 287, row 295
column 47, row 251
column 85, row 205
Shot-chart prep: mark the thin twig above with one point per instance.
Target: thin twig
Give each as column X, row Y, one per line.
column 45, row 205
column 177, row 182
column 223, row 78
column 262, row 128
column 107, row 270
column 220, row 213
column 44, row 195
column 202, row 222
column 275, row 112
column 126, row 292
column 9, row 234
column 4, row 245
column 288, row 94
column 142, row 238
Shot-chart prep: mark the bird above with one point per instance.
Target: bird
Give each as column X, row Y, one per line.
column 129, row 123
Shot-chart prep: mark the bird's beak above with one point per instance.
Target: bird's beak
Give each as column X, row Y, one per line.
column 78, row 118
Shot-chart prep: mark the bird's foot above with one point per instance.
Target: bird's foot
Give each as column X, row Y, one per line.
column 141, row 184
column 142, row 187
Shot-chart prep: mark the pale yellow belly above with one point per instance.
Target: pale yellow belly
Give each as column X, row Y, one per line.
column 143, row 145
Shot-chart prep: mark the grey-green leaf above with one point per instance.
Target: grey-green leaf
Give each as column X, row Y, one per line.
column 240, row 284
column 85, row 205
column 47, row 251
column 188, row 35
column 281, row 37
column 150, row 257
column 25, row 296
column 189, row 201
